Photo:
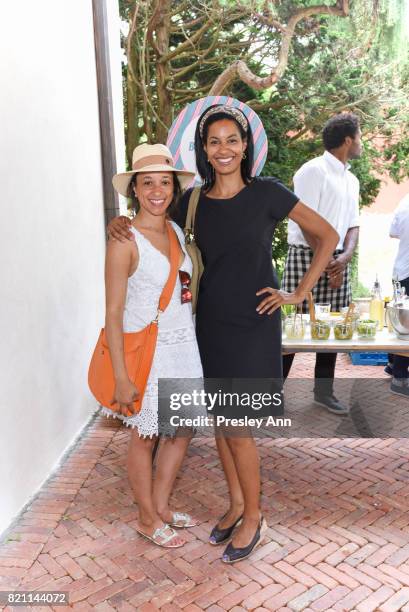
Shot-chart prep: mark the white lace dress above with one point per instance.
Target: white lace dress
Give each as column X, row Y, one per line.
column 177, row 353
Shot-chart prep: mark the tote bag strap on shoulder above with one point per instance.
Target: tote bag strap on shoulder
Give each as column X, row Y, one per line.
column 167, row 292
column 191, row 215
column 191, row 245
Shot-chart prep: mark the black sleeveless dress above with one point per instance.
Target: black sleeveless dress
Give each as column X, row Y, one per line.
column 235, row 237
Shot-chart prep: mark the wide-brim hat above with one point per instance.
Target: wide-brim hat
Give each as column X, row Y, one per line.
column 151, row 158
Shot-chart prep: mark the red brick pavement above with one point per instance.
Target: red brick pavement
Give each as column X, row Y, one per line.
column 338, row 539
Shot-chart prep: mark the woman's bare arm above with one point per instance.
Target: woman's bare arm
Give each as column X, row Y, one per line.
column 121, row 259
column 325, row 240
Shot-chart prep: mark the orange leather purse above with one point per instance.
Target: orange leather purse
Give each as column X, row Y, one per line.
column 139, row 347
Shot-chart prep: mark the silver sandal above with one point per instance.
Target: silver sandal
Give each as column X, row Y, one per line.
column 182, row 520
column 160, row 538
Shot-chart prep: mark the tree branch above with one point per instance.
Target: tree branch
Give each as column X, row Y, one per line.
column 267, row 105
column 269, row 21
column 129, row 43
column 181, row 6
column 178, row 74
column 191, row 91
column 239, row 67
column 152, row 23
column 266, row 18
column 188, row 24
column 185, row 45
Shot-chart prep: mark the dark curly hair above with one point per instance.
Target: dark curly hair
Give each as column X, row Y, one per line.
column 337, row 128
column 173, row 206
column 204, row 168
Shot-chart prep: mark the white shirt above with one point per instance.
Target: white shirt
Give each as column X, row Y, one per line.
column 327, row 186
column 400, row 229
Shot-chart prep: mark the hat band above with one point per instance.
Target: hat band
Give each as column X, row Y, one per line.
column 151, row 160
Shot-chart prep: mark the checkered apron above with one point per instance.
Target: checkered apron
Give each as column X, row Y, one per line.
column 297, row 263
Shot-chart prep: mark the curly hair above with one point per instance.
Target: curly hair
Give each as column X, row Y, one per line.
column 337, row 128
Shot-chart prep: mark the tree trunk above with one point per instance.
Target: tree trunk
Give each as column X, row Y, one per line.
column 165, row 101
column 132, row 132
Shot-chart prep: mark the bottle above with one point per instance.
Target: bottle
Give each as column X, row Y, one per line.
column 376, row 307
column 397, row 289
column 387, row 303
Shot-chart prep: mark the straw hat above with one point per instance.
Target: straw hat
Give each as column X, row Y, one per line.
column 150, row 158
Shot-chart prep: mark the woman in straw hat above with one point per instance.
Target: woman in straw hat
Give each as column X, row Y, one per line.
column 135, row 274
column 238, row 312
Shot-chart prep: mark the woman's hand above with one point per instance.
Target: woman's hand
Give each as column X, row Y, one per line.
column 125, row 395
column 277, row 298
column 119, row 229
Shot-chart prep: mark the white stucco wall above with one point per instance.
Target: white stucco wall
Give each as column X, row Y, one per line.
column 52, row 236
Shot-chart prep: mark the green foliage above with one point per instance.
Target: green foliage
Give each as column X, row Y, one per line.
column 359, row 63
column 287, row 310
column 341, row 65
column 397, row 155
column 359, row 290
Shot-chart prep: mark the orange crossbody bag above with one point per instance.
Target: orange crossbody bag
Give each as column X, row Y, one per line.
column 139, row 347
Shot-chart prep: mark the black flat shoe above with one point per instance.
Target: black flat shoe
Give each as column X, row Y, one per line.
column 220, row 536
column 232, row 554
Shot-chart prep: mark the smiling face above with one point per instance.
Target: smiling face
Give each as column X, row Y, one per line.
column 225, row 146
column 154, row 191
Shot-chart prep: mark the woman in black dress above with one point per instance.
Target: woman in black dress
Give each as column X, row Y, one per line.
column 238, row 311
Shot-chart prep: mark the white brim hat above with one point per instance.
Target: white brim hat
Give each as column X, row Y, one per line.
column 151, row 158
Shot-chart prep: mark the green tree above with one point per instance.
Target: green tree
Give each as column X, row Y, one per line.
column 178, row 51
column 294, row 61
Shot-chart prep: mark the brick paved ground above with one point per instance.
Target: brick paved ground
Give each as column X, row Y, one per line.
column 338, row 539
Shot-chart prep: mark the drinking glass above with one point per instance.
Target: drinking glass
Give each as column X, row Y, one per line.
column 320, row 330
column 294, row 327
column 322, row 310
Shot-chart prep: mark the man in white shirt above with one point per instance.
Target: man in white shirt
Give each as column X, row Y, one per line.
column 400, row 230
column 326, row 184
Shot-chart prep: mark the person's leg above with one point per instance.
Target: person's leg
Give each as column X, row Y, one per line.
column 139, row 464
column 246, row 461
column 400, row 367
column 236, row 500
column 287, row 363
column 235, row 492
column 325, row 366
column 169, row 460
column 400, row 378
column 388, row 369
column 324, row 384
column 399, row 364
column 325, row 372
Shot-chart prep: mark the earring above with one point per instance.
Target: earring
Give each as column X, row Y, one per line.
column 244, row 155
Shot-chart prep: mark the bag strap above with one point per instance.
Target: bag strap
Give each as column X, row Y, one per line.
column 167, row 291
column 189, row 230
